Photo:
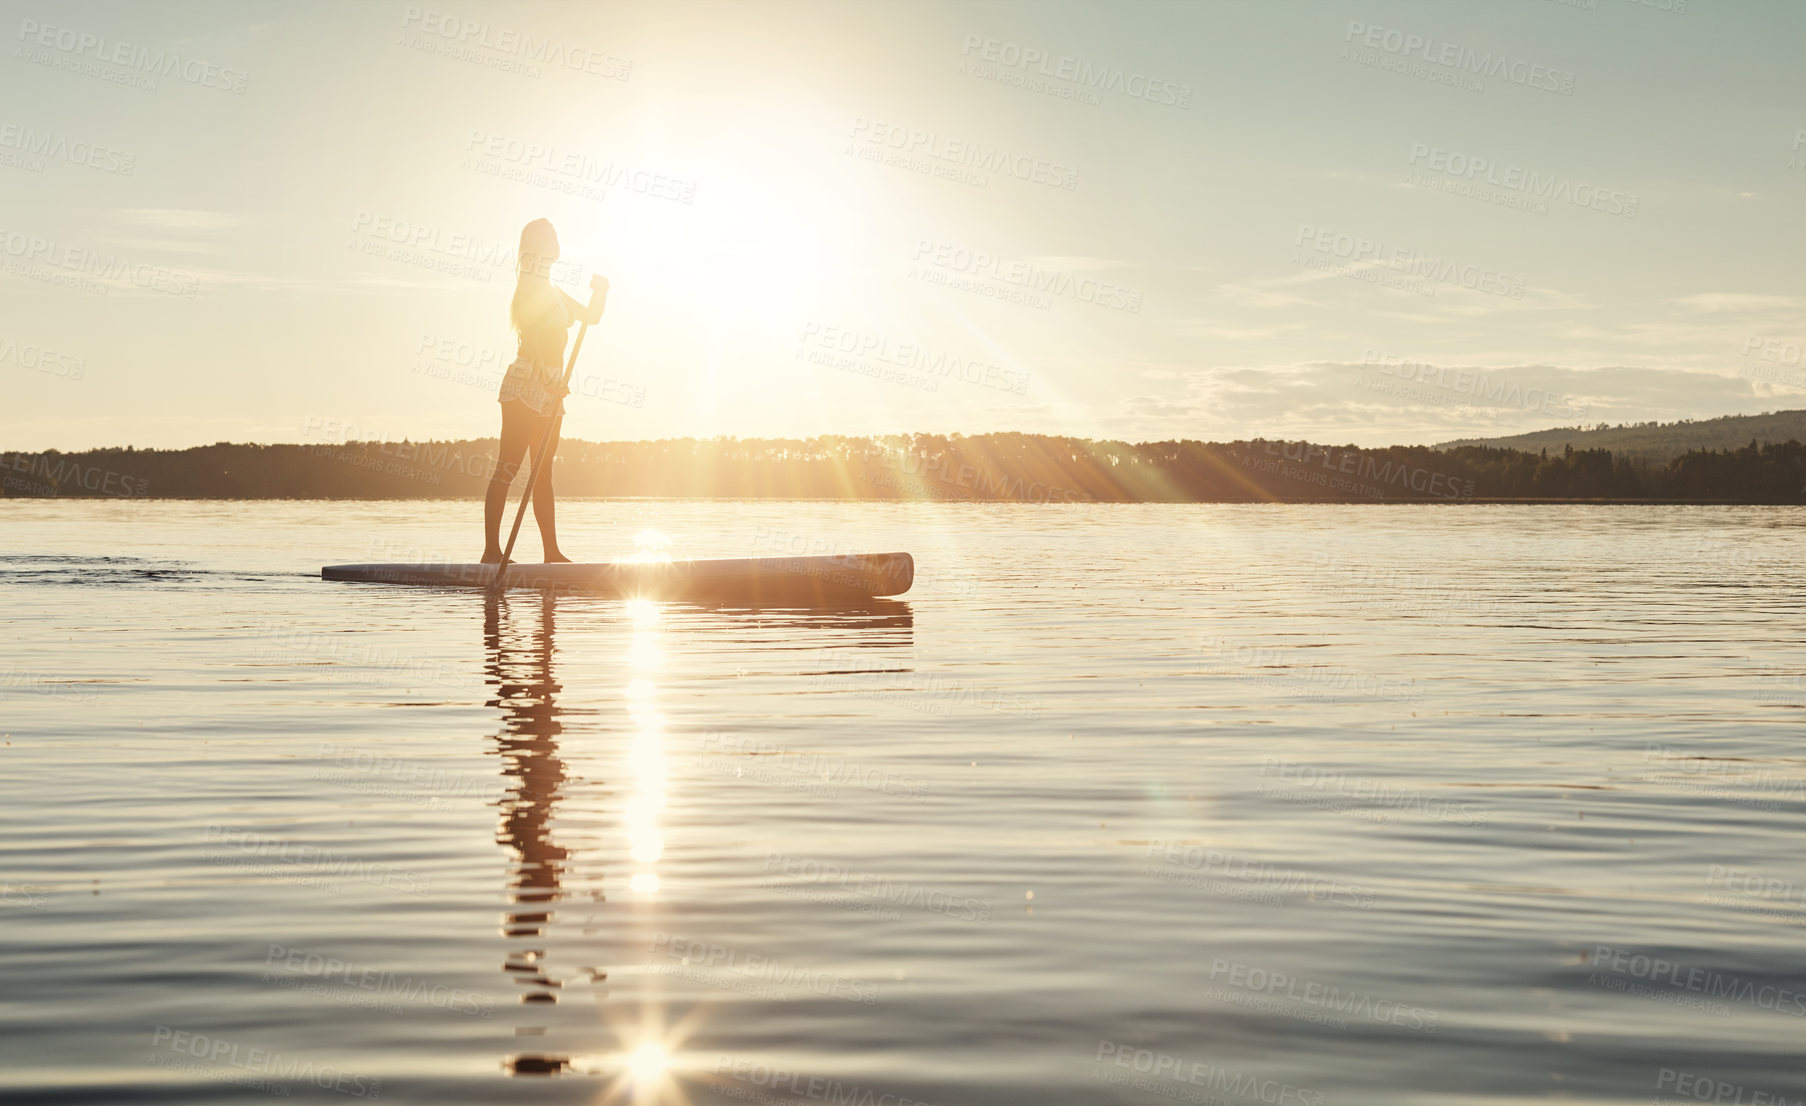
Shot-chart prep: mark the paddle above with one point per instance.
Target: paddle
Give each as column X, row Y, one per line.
column 598, row 292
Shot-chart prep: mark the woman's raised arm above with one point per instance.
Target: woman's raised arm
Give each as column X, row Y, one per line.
column 577, row 310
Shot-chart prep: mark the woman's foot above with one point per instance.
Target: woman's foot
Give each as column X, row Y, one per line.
column 492, row 556
column 554, row 557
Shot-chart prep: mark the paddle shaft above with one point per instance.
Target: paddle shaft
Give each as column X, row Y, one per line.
column 539, row 455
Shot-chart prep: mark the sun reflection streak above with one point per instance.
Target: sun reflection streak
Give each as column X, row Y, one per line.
column 649, row 1060
column 645, row 751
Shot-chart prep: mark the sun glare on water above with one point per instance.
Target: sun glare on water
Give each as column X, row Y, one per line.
column 650, row 547
column 649, row 1062
column 645, row 1074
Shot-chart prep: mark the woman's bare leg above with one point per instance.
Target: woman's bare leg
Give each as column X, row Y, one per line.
column 518, row 424
column 545, row 511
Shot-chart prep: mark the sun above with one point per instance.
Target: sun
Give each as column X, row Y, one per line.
column 776, row 221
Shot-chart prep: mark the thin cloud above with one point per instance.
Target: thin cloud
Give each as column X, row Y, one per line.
column 1737, row 301
column 178, row 218
column 1077, row 263
column 1394, row 401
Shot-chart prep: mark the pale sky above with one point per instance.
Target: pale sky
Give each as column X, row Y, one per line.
column 1350, row 222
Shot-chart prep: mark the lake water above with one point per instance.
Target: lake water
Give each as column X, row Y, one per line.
column 1120, row 804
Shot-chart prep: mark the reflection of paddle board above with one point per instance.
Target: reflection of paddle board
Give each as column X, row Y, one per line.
column 757, row 581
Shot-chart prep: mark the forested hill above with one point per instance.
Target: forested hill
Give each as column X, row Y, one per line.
column 988, row 467
column 1650, row 441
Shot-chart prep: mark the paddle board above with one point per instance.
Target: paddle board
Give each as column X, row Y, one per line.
column 755, row 581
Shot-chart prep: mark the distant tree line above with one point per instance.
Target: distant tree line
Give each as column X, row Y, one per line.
column 1007, row 467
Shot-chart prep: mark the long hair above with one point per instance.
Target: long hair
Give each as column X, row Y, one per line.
column 532, row 267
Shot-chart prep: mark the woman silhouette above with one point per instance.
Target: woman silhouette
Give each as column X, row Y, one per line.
column 533, row 391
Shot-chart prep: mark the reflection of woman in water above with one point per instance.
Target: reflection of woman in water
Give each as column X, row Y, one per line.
column 532, row 393
column 525, row 690
column 519, row 669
